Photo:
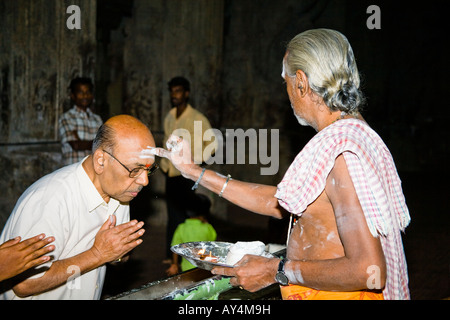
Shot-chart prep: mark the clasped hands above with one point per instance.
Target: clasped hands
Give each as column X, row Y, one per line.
column 114, row 242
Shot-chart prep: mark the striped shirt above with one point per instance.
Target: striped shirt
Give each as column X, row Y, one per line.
column 85, row 124
column 376, row 182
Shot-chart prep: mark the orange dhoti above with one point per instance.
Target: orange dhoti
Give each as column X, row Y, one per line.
column 295, row 292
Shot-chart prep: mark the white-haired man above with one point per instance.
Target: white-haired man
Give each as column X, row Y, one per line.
column 342, row 188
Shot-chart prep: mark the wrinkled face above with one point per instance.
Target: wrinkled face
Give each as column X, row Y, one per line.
column 115, row 179
column 82, row 96
column 178, row 95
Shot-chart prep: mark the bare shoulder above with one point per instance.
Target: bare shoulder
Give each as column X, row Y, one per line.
column 339, row 188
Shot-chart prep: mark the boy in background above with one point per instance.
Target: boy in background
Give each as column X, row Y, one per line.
column 194, row 228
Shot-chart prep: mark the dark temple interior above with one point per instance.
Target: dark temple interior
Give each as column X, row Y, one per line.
column 231, row 51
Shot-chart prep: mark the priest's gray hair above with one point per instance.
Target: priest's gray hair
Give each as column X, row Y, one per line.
column 327, row 59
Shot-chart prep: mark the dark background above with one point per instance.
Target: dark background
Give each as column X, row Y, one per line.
column 231, row 51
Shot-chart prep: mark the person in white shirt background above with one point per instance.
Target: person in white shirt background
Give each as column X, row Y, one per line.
column 84, row 207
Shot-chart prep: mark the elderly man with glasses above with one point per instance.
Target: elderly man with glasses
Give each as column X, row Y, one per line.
column 84, row 206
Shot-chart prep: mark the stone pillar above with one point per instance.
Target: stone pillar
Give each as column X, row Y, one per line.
column 164, row 39
column 169, row 38
column 39, row 56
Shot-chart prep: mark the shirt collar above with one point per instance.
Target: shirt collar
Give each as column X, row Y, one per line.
column 90, row 193
column 81, row 111
column 185, row 113
column 193, row 221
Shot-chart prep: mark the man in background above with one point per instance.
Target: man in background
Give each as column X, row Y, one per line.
column 181, row 120
column 78, row 126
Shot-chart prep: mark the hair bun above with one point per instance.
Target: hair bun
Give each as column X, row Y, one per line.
column 348, row 98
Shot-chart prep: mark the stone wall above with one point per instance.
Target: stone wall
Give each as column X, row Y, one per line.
column 231, row 51
column 167, row 39
column 21, row 166
column 39, row 56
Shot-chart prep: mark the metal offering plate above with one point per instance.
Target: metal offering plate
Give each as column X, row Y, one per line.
column 198, row 253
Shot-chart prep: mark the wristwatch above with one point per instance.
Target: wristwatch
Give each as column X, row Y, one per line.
column 280, row 277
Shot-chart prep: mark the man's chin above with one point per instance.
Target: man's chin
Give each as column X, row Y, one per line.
column 301, row 121
column 126, row 198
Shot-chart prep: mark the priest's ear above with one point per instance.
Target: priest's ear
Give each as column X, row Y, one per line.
column 301, row 82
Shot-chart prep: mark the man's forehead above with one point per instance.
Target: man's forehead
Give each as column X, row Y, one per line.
column 82, row 87
column 177, row 88
column 135, row 152
column 136, row 157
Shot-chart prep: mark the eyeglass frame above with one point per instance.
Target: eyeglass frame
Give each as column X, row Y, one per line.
column 154, row 167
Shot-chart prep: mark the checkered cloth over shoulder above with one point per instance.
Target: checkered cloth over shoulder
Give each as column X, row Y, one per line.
column 85, row 124
column 376, row 182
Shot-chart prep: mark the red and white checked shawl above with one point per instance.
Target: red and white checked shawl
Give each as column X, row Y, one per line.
column 376, row 182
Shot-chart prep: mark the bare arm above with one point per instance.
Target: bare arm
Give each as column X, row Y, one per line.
column 347, row 273
column 111, row 243
column 173, row 269
column 362, row 250
column 254, row 197
column 79, row 144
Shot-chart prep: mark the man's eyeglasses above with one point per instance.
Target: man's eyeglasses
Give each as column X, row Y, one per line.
column 137, row 171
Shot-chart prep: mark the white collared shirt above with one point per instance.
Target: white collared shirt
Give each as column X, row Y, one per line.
column 65, row 204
